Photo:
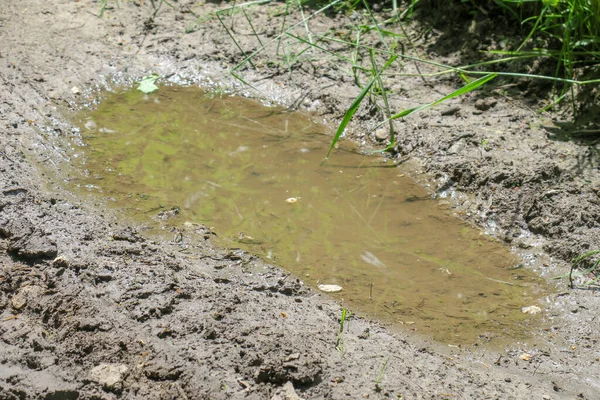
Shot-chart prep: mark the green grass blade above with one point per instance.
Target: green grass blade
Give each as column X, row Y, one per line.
column 355, row 104
column 463, row 90
column 348, row 116
column 381, row 86
column 579, row 259
column 218, row 14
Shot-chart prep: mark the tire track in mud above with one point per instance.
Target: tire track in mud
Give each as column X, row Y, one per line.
column 90, row 311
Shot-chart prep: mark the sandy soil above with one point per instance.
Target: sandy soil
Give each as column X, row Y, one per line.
column 91, row 309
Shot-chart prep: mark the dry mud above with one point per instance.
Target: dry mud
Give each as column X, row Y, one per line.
column 91, row 309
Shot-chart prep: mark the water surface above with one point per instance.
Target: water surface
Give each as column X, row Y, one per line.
column 254, row 174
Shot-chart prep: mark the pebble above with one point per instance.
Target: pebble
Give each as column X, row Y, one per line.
column 381, row 134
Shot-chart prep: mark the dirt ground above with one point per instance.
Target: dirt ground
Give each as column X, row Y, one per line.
column 90, row 309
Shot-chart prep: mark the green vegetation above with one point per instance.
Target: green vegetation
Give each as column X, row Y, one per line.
column 564, row 35
column 569, row 28
column 339, row 343
column 148, row 84
column 375, row 48
column 591, row 269
column 378, row 388
column 104, row 5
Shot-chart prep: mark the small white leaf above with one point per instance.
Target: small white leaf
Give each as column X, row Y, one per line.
column 147, row 84
column 330, row 288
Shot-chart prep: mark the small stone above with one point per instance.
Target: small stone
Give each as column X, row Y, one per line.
column 381, row 134
column 18, row 301
column 330, row 288
column 524, row 245
column 75, row 90
column 110, row 376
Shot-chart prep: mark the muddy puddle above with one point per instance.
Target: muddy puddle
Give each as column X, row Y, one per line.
column 254, row 175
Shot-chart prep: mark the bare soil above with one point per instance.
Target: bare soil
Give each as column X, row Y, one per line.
column 90, row 309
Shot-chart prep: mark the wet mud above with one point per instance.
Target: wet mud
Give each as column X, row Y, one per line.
column 92, row 308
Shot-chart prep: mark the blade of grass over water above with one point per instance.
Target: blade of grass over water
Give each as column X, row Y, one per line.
column 348, row 116
column 355, row 105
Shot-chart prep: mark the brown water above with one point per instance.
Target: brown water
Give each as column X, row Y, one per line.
column 255, row 175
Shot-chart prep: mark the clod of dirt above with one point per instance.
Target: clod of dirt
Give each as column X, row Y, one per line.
column 451, row 110
column 110, row 376
column 129, row 235
column 20, row 299
column 486, row 103
column 289, row 393
column 28, row 242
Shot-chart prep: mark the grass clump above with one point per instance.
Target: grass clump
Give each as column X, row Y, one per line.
column 376, row 48
column 593, row 263
column 556, row 41
column 371, row 51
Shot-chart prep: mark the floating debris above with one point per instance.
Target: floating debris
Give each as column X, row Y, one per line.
column 90, row 125
column 531, row 310
column 370, row 258
column 525, row 356
column 292, row 200
column 148, row 84
column 247, row 239
column 330, row 288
